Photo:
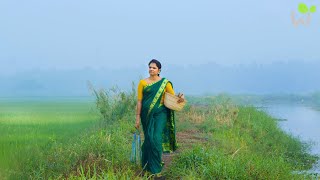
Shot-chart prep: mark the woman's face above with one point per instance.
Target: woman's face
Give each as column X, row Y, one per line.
column 153, row 69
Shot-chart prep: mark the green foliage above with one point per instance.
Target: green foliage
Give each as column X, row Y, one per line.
column 29, row 125
column 254, row 147
column 113, row 104
column 264, row 136
column 92, row 153
column 70, row 144
column 207, row 163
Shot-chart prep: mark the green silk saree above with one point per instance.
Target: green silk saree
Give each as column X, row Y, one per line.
column 158, row 126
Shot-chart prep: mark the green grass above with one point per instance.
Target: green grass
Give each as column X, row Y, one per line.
column 252, row 147
column 28, row 126
column 68, row 139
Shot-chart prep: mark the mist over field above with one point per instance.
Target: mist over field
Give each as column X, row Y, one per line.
column 53, row 48
column 282, row 77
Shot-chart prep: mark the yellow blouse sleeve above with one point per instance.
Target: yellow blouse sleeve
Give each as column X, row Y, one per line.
column 169, row 88
column 141, row 85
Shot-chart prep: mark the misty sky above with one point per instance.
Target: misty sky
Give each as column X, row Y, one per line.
column 71, row 34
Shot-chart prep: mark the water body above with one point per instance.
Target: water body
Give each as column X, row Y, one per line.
column 300, row 121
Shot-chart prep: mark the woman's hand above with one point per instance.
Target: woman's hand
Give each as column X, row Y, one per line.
column 181, row 98
column 137, row 125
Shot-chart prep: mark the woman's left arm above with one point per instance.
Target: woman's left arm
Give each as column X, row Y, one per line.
column 170, row 90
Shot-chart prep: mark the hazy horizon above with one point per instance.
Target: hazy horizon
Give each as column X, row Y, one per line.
column 277, row 78
column 51, row 47
column 124, row 34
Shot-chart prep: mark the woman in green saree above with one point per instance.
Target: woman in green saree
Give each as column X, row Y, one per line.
column 157, row 120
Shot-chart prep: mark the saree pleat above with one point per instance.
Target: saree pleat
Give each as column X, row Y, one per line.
column 158, row 127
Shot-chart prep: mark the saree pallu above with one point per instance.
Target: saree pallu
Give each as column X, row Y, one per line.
column 158, row 126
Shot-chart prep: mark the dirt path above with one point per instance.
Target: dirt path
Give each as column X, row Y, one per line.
column 185, row 140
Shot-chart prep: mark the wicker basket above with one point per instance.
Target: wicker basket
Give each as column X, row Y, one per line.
column 171, row 102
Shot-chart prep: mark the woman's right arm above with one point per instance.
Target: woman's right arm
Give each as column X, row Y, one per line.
column 139, row 104
column 138, row 112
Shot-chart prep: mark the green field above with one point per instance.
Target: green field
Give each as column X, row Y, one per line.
column 72, row 139
column 30, row 125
